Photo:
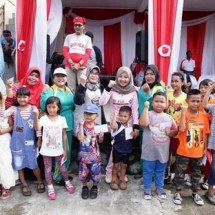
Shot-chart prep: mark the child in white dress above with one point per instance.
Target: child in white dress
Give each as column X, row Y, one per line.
column 7, row 177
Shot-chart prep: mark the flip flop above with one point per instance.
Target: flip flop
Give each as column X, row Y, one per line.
column 39, row 188
column 26, row 193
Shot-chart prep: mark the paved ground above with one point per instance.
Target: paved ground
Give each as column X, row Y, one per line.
column 129, row 202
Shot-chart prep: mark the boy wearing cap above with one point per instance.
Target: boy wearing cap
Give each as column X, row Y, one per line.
column 76, row 50
column 89, row 154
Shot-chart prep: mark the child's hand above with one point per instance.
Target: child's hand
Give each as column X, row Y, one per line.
column 39, row 143
column 101, row 135
column 146, row 88
column 115, row 114
column 81, row 121
column 183, row 109
column 146, row 105
column 4, row 96
column 83, row 80
column 10, row 82
column 205, row 152
column 167, row 130
column 45, row 87
column 167, row 88
column 64, row 155
column 35, row 111
column 136, row 133
column 211, row 86
column 111, row 83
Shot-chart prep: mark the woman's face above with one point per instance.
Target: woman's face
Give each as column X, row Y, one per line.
column 123, row 79
column 60, row 80
column 33, row 78
column 94, row 76
column 149, row 76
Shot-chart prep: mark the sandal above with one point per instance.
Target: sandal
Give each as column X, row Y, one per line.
column 27, row 192
column 85, row 192
column 41, row 187
column 5, row 193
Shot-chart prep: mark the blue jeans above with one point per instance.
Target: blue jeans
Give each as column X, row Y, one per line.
column 211, row 179
column 158, row 169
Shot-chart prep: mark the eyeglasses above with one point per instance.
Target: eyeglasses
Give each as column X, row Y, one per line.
column 92, row 73
column 78, row 25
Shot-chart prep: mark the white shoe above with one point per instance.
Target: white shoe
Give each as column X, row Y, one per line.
column 177, row 199
column 108, row 179
column 198, row 200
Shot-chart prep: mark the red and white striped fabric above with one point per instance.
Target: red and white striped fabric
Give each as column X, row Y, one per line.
column 165, row 17
column 198, row 36
column 32, row 26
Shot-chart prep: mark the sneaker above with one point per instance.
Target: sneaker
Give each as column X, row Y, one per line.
column 94, row 192
column 108, row 179
column 85, row 192
column 210, row 198
column 114, row 185
column 177, row 199
column 147, row 195
column 69, row 187
column 188, row 181
column 204, row 186
column 197, row 199
column 161, row 193
column 5, row 193
column 122, row 185
column 51, row 193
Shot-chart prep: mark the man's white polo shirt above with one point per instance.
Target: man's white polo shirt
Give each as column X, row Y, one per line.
column 188, row 65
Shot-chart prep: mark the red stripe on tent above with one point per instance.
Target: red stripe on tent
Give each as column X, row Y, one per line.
column 112, row 48
column 195, row 43
column 25, row 31
column 48, row 3
column 164, row 14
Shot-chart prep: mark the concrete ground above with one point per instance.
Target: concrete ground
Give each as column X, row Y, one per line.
column 128, row 202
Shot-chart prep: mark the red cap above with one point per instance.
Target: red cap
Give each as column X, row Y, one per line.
column 80, row 20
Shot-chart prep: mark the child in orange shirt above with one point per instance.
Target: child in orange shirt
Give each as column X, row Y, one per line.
column 193, row 131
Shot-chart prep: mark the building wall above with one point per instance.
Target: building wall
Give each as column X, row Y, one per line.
column 9, row 15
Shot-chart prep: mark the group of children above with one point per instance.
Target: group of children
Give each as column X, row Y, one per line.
column 170, row 120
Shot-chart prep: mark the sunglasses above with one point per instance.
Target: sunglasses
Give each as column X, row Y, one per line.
column 78, row 25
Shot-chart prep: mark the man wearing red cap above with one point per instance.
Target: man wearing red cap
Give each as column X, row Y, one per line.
column 76, row 50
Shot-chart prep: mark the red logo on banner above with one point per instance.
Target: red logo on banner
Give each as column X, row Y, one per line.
column 164, row 50
column 21, row 45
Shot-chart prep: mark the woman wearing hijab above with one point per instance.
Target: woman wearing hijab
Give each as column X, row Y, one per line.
column 88, row 91
column 32, row 81
column 151, row 84
column 121, row 93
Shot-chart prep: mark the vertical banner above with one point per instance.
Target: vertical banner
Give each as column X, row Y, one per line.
column 164, row 24
column 25, row 22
